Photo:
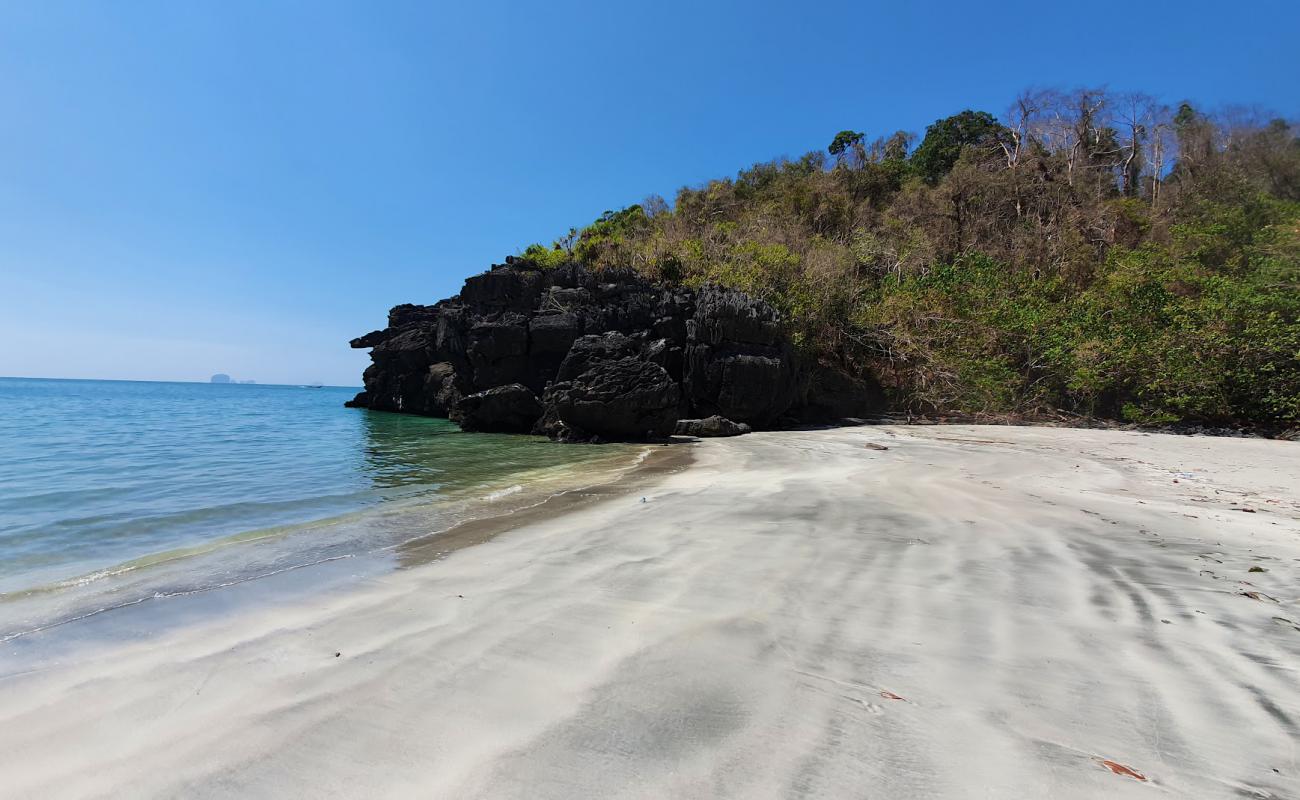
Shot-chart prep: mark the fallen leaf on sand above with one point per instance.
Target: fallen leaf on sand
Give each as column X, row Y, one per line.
column 890, row 696
column 874, row 446
column 1120, row 769
column 1247, row 510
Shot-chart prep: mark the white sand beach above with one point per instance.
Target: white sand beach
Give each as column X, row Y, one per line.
column 973, row 612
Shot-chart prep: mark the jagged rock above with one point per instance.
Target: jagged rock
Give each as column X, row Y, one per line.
column 723, row 316
column 498, row 352
column 612, row 399
column 444, row 388
column 612, row 355
column 590, row 350
column 504, row 409
column 370, row 339
column 752, row 387
column 738, row 364
column 667, row 355
column 832, row 395
column 553, row 334
column 503, row 286
column 407, row 314
column 711, row 426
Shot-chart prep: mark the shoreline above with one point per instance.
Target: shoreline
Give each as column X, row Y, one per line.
column 971, row 611
column 484, row 517
column 660, row 460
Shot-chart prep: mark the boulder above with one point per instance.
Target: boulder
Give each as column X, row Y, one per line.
column 503, row 409
column 711, row 426
column 623, row 399
column 590, row 350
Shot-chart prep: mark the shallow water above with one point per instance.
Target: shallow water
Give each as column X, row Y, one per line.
column 127, row 490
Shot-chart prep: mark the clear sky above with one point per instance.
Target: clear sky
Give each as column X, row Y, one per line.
column 198, row 187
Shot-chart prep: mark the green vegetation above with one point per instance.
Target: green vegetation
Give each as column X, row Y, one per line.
column 1089, row 253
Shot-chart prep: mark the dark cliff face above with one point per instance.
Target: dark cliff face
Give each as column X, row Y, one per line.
column 585, row 356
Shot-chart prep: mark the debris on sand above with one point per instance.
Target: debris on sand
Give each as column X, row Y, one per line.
column 1120, row 769
column 1260, row 596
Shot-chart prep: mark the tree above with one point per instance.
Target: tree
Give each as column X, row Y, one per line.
column 1195, row 136
column 1071, row 127
column 1136, row 114
column 847, row 143
column 946, row 138
column 1022, row 118
column 1018, row 138
column 1161, row 146
column 896, row 146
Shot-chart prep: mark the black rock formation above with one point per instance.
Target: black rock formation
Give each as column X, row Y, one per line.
column 583, row 356
column 711, row 426
column 504, row 409
column 606, row 389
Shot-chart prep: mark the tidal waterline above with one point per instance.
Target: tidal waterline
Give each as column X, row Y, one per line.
column 113, row 493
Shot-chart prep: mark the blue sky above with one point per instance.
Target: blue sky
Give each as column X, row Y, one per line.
column 240, row 187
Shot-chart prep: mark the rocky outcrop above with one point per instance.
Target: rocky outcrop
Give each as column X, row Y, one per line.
column 580, row 355
column 831, row 395
column 606, row 389
column 711, row 426
column 739, row 364
column 502, row 409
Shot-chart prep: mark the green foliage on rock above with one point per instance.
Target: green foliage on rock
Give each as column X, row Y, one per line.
column 610, row 233
column 543, row 257
column 1091, row 254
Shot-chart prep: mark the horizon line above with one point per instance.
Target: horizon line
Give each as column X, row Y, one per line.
column 155, row 380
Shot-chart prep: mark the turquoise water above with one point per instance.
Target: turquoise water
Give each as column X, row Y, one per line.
column 140, row 489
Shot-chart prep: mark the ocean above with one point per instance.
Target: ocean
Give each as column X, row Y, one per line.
column 114, row 493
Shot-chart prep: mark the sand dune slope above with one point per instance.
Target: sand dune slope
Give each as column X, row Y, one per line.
column 973, row 612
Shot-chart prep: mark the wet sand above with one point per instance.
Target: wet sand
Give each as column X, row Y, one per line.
column 974, row 611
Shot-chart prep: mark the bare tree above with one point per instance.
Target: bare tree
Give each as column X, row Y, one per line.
column 1069, row 126
column 1022, row 120
column 1133, row 114
column 1161, row 147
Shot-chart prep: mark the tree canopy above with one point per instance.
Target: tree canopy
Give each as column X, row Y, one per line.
column 945, row 139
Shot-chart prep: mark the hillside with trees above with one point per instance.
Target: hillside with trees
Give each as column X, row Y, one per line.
column 1085, row 253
